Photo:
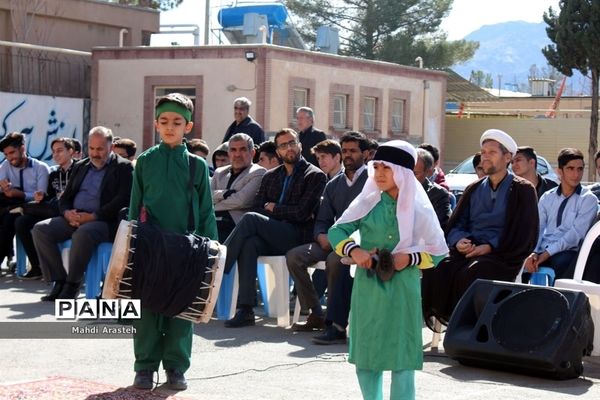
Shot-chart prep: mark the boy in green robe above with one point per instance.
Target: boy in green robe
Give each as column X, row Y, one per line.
column 392, row 215
column 160, row 189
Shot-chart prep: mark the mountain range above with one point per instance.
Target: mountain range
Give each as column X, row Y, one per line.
column 509, row 50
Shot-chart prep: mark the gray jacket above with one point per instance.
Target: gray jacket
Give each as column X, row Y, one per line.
column 245, row 185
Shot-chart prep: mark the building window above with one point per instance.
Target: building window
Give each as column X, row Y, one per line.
column 369, row 110
column 340, row 107
column 300, row 100
column 397, row 115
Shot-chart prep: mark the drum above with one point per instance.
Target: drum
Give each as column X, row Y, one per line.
column 120, row 281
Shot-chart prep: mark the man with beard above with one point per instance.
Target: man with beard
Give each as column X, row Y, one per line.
column 283, row 217
column 492, row 230
column 99, row 187
column 338, row 195
column 20, row 177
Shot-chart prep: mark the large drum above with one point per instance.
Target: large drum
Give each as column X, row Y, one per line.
column 178, row 265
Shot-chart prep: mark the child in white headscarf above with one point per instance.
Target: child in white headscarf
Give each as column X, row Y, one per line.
column 393, row 214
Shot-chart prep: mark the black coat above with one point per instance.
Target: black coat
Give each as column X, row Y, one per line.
column 115, row 189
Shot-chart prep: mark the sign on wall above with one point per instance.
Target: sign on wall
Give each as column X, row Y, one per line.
column 41, row 119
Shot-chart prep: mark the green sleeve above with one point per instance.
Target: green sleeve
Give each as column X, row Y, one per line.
column 339, row 237
column 207, row 223
column 137, row 191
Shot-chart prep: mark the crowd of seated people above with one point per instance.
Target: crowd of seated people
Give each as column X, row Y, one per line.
column 509, row 219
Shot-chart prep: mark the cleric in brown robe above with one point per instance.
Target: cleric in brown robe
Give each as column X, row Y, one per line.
column 492, row 230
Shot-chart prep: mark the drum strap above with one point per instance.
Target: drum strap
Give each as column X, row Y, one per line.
column 191, row 223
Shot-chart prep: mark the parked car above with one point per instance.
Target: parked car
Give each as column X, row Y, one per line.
column 464, row 174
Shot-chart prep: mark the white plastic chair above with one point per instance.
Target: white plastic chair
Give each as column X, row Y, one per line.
column 319, row 265
column 592, row 290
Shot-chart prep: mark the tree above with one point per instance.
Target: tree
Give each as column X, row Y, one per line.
column 575, row 32
column 390, row 30
column 481, row 79
column 163, row 5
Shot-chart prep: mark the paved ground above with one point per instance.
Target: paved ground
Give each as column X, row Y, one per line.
column 262, row 362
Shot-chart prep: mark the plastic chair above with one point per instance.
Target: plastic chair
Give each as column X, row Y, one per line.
column 273, row 280
column 21, row 258
column 96, row 268
column 319, row 265
column 543, row 277
column 592, row 290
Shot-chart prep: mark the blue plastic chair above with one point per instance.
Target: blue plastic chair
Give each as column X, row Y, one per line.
column 543, row 277
column 96, row 269
column 21, row 259
column 225, row 308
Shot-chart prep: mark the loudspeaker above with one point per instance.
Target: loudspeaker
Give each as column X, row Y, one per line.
column 526, row 329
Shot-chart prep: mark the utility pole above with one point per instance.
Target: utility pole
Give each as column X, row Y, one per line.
column 499, row 85
column 206, row 21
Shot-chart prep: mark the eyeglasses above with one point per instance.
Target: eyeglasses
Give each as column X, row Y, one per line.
column 291, row 143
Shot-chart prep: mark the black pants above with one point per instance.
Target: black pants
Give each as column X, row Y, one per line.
column 23, row 226
column 7, row 234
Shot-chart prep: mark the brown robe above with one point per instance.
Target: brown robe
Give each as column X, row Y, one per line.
column 443, row 286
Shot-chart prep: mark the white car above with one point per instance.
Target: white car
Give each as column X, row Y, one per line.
column 464, row 174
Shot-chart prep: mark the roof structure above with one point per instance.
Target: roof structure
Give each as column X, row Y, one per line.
column 461, row 90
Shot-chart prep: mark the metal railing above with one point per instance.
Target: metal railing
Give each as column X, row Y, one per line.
column 44, row 70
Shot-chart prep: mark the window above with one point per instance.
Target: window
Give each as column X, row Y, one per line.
column 340, row 102
column 397, row 117
column 300, row 100
column 369, row 109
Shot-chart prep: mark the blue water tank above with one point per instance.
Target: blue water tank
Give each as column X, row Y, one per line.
column 234, row 16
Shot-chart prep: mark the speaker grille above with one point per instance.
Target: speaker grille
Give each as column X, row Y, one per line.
column 527, row 320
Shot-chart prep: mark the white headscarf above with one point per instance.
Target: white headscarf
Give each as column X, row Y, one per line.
column 418, row 226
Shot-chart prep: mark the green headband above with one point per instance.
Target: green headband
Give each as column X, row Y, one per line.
column 174, row 107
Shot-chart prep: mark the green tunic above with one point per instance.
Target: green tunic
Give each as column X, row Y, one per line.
column 160, row 184
column 385, row 317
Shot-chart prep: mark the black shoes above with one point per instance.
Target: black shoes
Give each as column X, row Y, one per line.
column 243, row 317
column 175, row 380
column 69, row 291
column 143, row 380
column 53, row 295
column 331, row 336
column 313, row 323
column 32, row 274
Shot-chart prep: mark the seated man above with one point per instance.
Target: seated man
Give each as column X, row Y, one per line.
column 126, row 148
column 492, row 230
column 46, row 203
column 339, row 193
column 20, row 177
column 439, row 197
column 98, row 189
column 524, row 164
column 267, row 155
column 566, row 213
column 283, row 218
column 477, row 165
column 234, row 186
column 329, row 157
column 438, row 174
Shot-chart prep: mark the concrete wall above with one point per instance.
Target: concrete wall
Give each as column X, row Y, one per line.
column 78, row 24
column 546, row 136
column 123, row 81
column 41, row 119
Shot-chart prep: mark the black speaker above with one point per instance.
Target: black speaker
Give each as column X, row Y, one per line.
column 532, row 330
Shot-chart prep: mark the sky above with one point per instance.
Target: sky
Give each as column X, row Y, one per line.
column 466, row 16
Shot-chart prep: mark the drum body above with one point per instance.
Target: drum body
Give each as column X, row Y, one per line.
column 120, row 282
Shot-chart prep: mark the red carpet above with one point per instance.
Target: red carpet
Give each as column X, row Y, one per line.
column 62, row 388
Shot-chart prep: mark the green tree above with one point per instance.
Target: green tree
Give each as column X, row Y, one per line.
column 162, row 5
column 390, row 30
column 575, row 32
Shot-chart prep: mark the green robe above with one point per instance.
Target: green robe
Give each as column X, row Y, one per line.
column 160, row 184
column 385, row 317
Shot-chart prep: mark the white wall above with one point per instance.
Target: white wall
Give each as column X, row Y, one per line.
column 41, row 119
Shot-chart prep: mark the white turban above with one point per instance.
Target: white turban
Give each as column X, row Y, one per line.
column 501, row 137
